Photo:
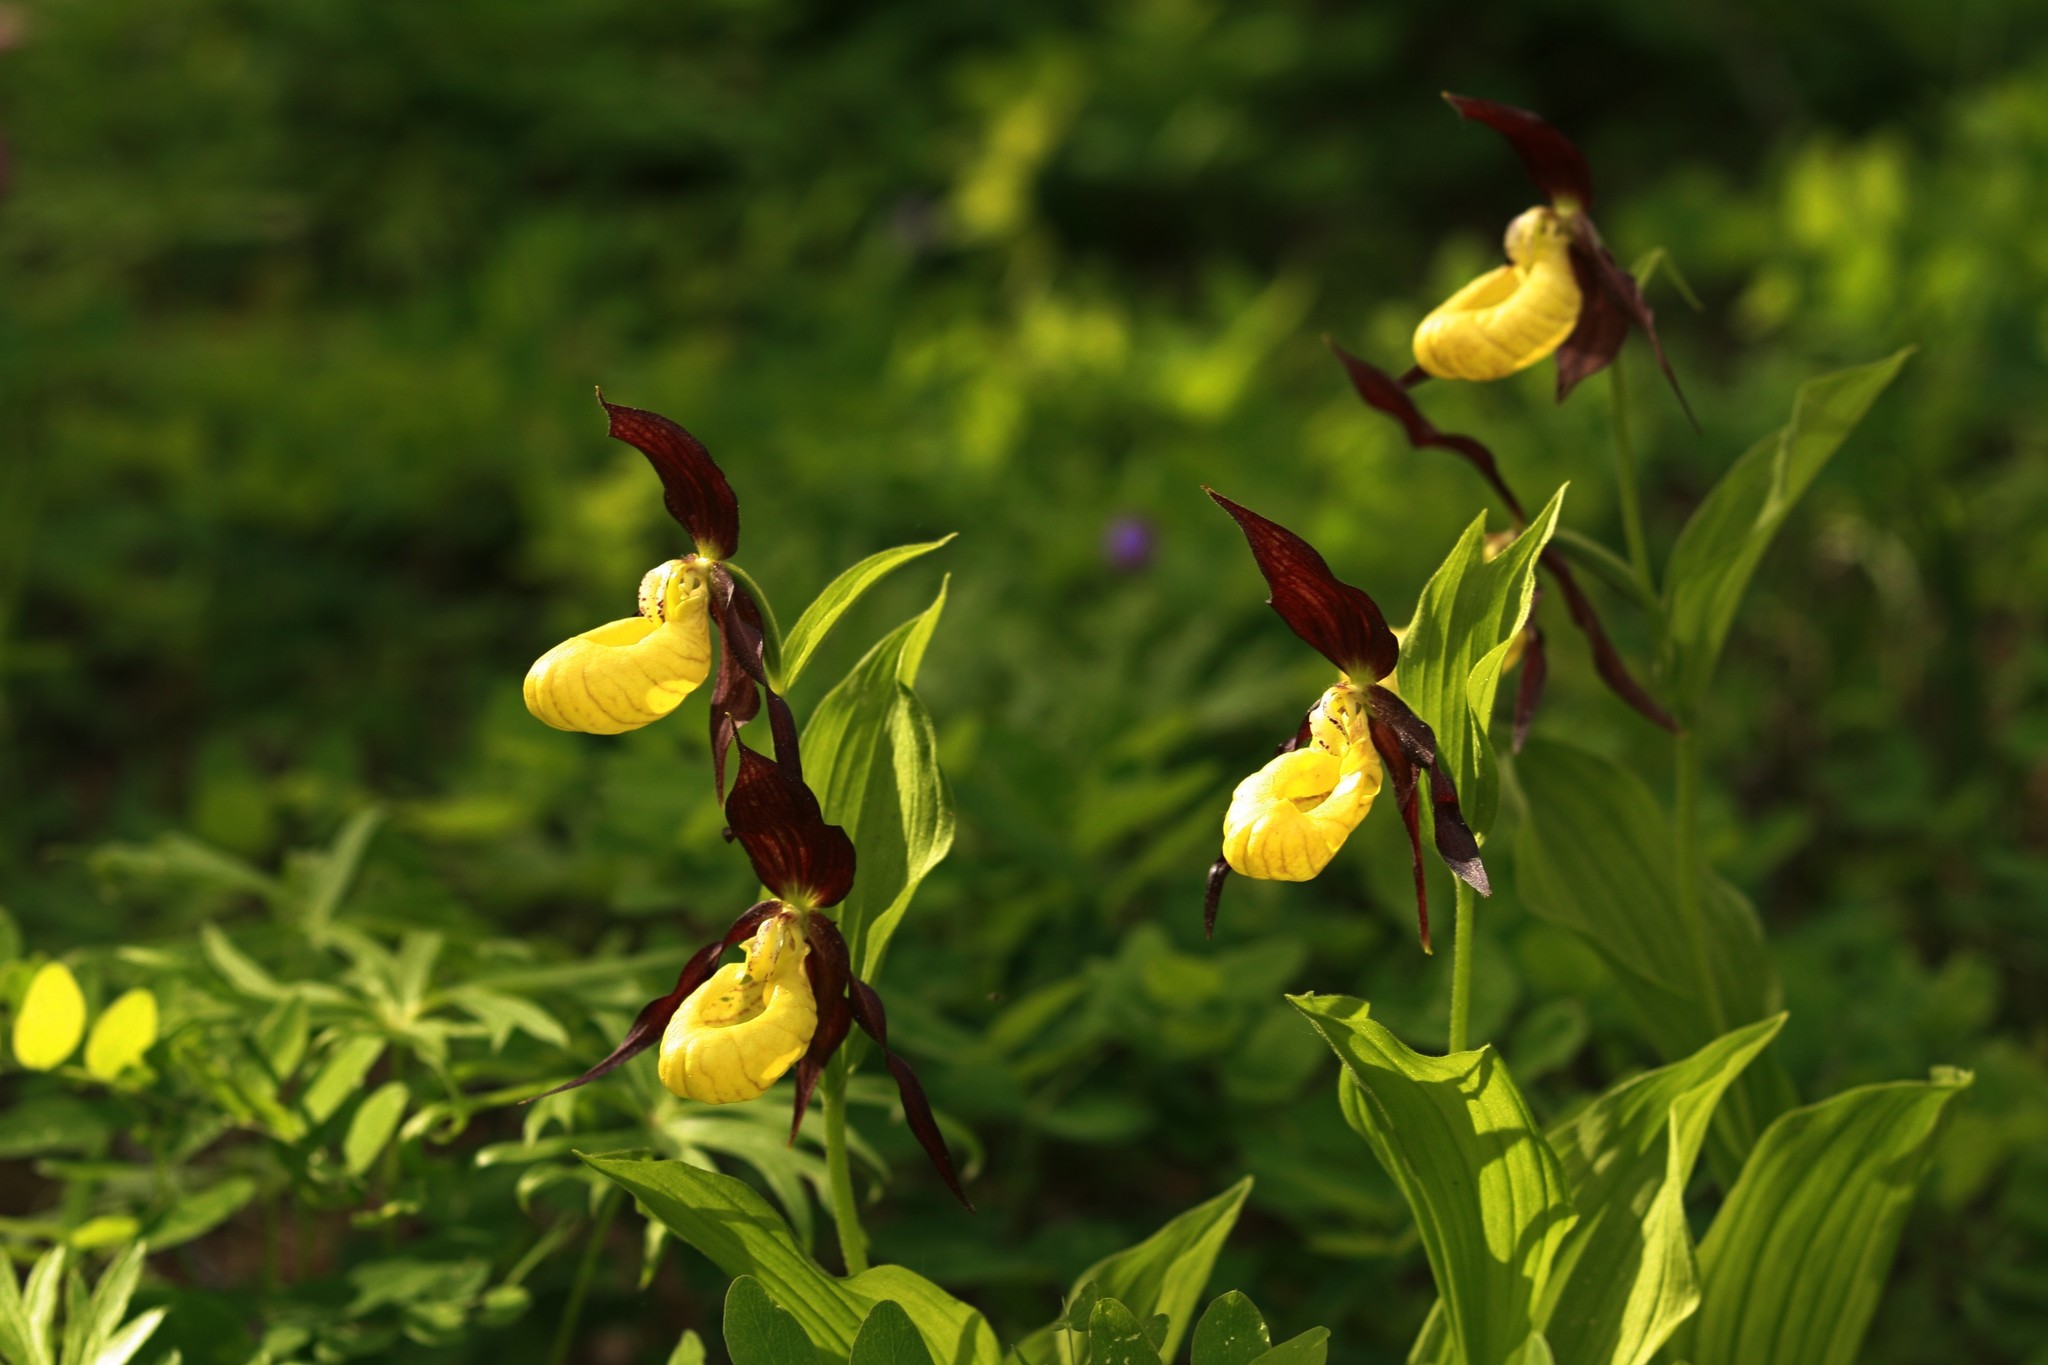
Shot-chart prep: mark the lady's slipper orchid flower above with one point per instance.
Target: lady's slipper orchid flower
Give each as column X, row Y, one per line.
column 634, row 671
column 1383, row 393
column 1287, row 820
column 728, row 1033
column 1561, row 291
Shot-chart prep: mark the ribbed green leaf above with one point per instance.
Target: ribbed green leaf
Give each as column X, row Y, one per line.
column 1488, row 1193
column 1596, row 856
column 1796, row 1260
column 889, row 1337
column 1729, row 532
column 1165, row 1273
column 1469, row 614
column 839, row 595
column 757, row 1332
column 871, row 755
column 742, row 1235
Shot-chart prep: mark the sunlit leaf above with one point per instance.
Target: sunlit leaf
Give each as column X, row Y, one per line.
column 374, row 1123
column 839, row 595
column 1796, row 1261
column 758, row 1332
column 51, row 1020
column 121, row 1035
column 1729, row 532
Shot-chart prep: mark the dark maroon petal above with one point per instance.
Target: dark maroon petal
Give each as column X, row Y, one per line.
column 1554, row 164
column 692, row 485
column 1390, row 396
column 1607, row 660
column 1407, row 796
column 1621, row 287
column 1454, row 841
column 1219, row 872
column 777, row 820
column 1602, row 327
column 1529, row 691
column 917, row 1110
column 829, row 971
column 654, row 1016
column 1342, row 623
column 736, row 688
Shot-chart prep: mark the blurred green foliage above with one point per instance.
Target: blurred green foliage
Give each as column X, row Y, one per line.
column 299, row 311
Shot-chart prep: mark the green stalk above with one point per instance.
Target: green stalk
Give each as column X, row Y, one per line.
column 1461, row 967
column 853, row 1242
column 1691, row 870
column 565, row 1335
column 1625, row 480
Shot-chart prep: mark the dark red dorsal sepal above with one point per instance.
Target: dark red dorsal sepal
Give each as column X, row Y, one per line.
column 1339, row 621
column 776, row 818
column 1555, row 164
column 693, row 487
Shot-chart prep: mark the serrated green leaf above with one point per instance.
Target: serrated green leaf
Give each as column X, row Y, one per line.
column 1625, row 1277
column 759, row 1332
column 889, row 1337
column 1231, row 1332
column 1488, row 1194
column 839, row 595
column 871, row 755
column 1729, row 532
column 1596, row 856
column 1469, row 614
column 376, row 1119
column 743, row 1235
column 51, row 1019
column 1116, row 1337
column 1796, row 1261
column 1165, row 1273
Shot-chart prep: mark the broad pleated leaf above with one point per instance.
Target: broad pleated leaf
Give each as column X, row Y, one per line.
column 1488, row 1194
column 742, row 1235
column 1469, row 615
column 1596, row 856
column 872, row 756
column 1796, row 1260
column 1165, row 1273
column 839, row 595
column 1729, row 532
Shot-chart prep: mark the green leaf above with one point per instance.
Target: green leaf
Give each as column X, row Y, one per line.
column 195, row 1215
column 374, row 1123
column 1116, row 1337
column 1625, row 1277
column 39, row 1300
column 840, row 594
column 1796, row 1260
column 109, row 1303
column 237, row 967
column 1729, row 532
column 1310, row 1348
column 1596, row 856
column 1469, row 614
column 331, row 871
column 283, row 1035
column 340, row 1076
column 19, row 1344
column 1165, row 1273
column 51, row 1019
column 123, row 1345
column 889, row 1337
column 871, row 754
column 121, row 1035
column 742, row 1235
column 1231, row 1332
column 688, row 1351
column 1488, row 1194
column 757, row 1332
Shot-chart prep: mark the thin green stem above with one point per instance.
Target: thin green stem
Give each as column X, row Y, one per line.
column 853, row 1242
column 1625, row 479
column 1462, row 953
column 1691, row 871
column 565, row 1334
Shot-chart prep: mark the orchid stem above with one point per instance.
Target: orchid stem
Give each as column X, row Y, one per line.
column 1625, row 481
column 853, row 1242
column 1461, row 967
column 1691, row 870
column 565, row 1335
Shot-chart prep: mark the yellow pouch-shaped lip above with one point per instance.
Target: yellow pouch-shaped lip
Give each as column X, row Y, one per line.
column 1509, row 318
column 629, row 673
column 738, row 1032
column 1288, row 819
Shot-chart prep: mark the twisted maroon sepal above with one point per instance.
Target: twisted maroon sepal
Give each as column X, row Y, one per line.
column 829, row 970
column 693, row 487
column 777, row 819
column 1338, row 621
column 917, row 1110
column 654, row 1016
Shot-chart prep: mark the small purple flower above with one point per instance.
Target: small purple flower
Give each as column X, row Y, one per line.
column 1127, row 544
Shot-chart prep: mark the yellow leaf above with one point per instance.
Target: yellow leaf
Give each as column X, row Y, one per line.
column 52, row 1019
column 120, row 1036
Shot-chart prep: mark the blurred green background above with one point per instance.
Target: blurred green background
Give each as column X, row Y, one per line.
column 300, row 311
